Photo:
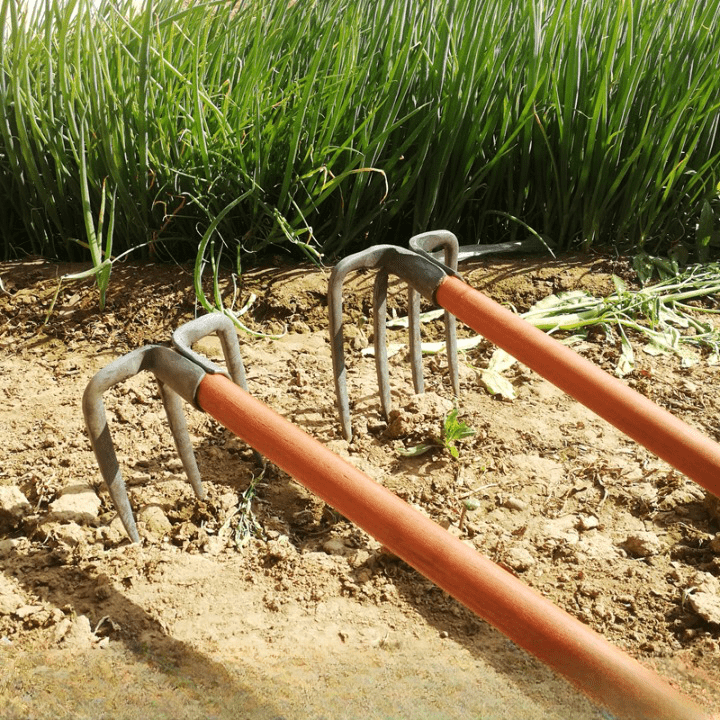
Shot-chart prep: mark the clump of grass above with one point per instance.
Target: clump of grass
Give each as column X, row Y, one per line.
column 320, row 127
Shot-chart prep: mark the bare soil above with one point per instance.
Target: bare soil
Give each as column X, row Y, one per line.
column 267, row 604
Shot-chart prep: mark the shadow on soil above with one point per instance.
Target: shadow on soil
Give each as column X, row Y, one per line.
column 165, row 676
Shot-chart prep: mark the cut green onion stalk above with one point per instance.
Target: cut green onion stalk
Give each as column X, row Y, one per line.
column 657, row 313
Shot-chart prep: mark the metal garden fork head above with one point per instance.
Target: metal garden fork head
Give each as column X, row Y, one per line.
column 183, row 370
column 421, row 271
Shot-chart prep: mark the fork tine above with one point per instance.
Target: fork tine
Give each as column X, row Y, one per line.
column 415, row 341
column 165, row 364
column 379, row 343
column 178, row 427
column 424, row 244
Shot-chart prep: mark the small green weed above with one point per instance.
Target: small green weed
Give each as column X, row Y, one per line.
column 453, row 430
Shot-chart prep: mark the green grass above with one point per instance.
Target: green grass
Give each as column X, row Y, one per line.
column 320, row 127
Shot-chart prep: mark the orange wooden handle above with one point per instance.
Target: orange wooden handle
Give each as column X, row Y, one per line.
column 575, row 651
column 667, row 436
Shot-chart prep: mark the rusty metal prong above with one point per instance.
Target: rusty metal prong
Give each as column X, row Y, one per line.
column 424, row 274
column 178, row 378
column 189, row 333
column 424, row 244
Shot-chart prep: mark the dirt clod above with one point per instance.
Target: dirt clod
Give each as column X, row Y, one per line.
column 643, row 544
column 77, row 503
column 13, row 505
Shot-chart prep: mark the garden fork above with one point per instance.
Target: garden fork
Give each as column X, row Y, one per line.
column 422, row 272
column 385, row 260
column 178, row 374
column 452, row 253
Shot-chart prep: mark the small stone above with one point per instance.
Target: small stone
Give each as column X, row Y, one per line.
column 513, row 503
column 9, row 604
column 228, row 502
column 399, row 425
column 360, row 341
column 705, row 582
column 77, row 503
column 587, row 522
column 429, row 406
column 335, row 546
column 213, row 546
column 25, row 611
column 7, row 546
column 281, row 549
column 706, row 605
column 62, row 629
column 70, row 534
column 112, row 534
column 155, row 520
column 643, row 544
column 14, row 506
column 79, row 635
column 518, row 558
column 298, row 326
column 358, row 558
column 596, row 545
column 363, row 575
column 714, row 544
column 643, row 492
column 559, row 531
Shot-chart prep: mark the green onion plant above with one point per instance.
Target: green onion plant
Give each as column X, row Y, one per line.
column 316, row 128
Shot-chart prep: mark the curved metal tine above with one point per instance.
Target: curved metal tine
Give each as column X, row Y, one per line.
column 178, row 427
column 169, row 368
column 189, row 333
column 425, row 244
column 194, row 330
column 415, row 341
column 379, row 343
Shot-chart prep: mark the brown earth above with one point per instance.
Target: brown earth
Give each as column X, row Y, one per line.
column 287, row 610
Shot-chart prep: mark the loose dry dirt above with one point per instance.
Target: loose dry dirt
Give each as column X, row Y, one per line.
column 288, row 611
